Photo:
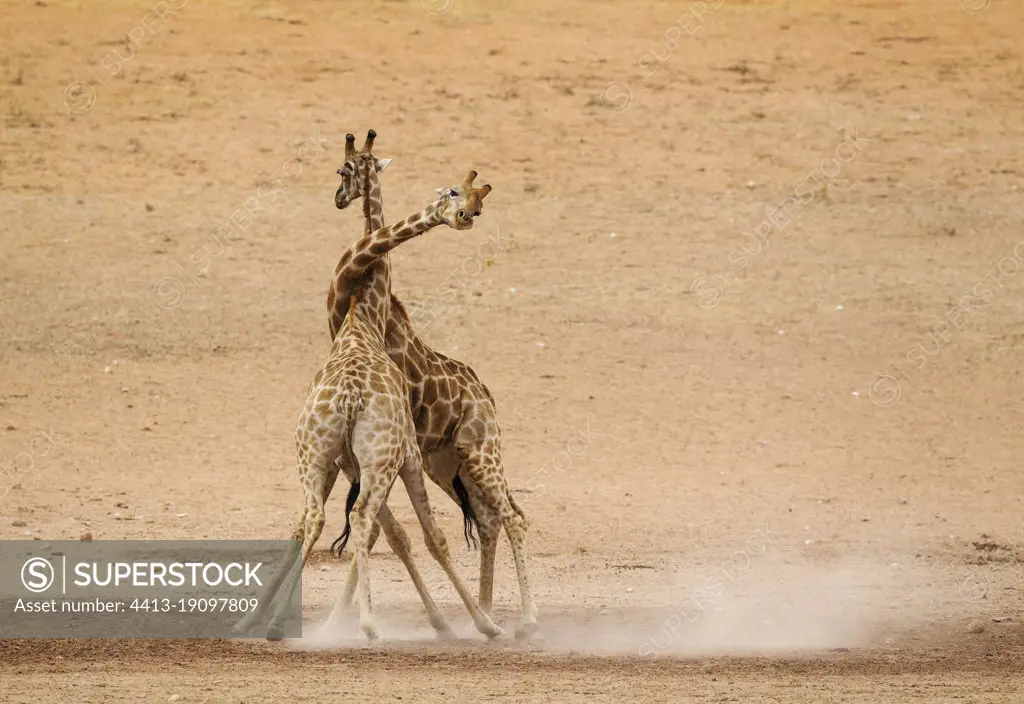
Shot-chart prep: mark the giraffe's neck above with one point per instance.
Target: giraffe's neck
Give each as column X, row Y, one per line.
column 366, row 263
column 376, row 281
column 373, row 207
column 387, row 238
column 375, row 302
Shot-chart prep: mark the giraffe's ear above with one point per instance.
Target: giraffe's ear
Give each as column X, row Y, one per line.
column 382, row 164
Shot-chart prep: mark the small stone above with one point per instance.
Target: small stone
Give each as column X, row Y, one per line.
column 106, row 370
column 629, row 590
column 839, row 307
column 325, row 568
column 1001, row 619
column 902, row 500
column 11, row 427
column 174, row 698
column 975, row 626
column 19, row 524
column 86, row 537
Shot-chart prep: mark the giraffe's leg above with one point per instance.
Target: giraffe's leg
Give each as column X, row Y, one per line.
column 372, row 495
column 314, row 525
column 299, row 536
column 412, row 474
column 353, row 574
column 398, row 539
column 375, row 532
column 441, row 469
column 344, row 600
column 486, row 473
column 270, row 590
column 489, row 523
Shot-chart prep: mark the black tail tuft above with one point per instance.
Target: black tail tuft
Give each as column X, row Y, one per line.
column 468, row 516
column 339, row 544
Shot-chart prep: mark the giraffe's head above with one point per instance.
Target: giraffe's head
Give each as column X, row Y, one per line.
column 460, row 204
column 354, row 172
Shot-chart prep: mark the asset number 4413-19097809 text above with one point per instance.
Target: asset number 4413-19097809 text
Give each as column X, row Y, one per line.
column 194, row 605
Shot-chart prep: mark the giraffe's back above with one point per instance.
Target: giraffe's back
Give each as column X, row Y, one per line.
column 445, row 395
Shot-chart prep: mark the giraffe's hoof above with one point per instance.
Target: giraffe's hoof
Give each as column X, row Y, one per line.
column 371, row 633
column 275, row 632
column 444, row 633
column 492, row 630
column 527, row 630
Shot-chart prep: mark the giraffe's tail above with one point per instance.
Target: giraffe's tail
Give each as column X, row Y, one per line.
column 469, row 520
column 350, row 408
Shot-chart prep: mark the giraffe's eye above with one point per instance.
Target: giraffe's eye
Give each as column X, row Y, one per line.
column 453, row 193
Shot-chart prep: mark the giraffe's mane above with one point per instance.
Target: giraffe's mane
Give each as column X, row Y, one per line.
column 399, row 308
column 366, row 198
column 357, row 294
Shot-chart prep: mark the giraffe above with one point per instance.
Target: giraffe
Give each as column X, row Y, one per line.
column 357, row 420
column 456, row 421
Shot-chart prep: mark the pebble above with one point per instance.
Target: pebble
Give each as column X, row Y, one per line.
column 174, row 698
column 86, row 537
column 19, row 524
column 975, row 626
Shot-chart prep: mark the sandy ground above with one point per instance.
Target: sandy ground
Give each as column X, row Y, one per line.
column 816, row 405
